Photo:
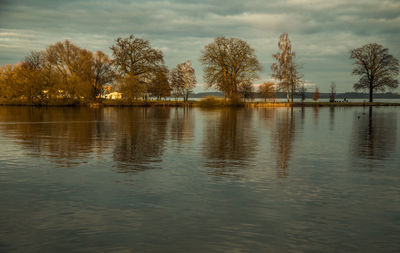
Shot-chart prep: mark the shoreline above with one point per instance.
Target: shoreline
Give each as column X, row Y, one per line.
column 154, row 103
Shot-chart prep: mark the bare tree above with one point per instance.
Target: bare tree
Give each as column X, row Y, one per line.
column 377, row 68
column 183, row 80
column 333, row 92
column 285, row 69
column 103, row 72
column 34, row 60
column 228, row 64
column 267, row 90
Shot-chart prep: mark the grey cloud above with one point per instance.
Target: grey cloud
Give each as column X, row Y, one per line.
column 322, row 32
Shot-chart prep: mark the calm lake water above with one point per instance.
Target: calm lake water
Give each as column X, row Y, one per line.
column 196, row 180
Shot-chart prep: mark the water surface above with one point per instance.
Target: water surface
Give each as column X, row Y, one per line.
column 176, row 179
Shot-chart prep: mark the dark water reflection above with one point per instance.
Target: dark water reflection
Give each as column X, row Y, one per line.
column 140, row 138
column 175, row 179
column 375, row 134
column 283, row 137
column 229, row 143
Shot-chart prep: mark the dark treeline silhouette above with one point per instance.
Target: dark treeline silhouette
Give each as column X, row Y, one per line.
column 65, row 73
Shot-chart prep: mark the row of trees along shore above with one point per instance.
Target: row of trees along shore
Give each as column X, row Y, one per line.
column 66, row 72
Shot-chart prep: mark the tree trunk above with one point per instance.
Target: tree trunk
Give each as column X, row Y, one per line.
column 292, row 93
column 371, row 91
column 291, row 97
column 287, row 94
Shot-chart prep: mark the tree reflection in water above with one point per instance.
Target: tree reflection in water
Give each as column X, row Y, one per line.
column 229, row 142
column 282, row 139
column 182, row 124
column 315, row 115
column 69, row 136
column 331, row 118
column 375, row 134
column 140, row 139
column 63, row 134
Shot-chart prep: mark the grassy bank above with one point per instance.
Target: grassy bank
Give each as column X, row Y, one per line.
column 318, row 104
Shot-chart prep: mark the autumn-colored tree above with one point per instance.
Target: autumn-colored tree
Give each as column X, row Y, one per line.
column 9, row 81
column 63, row 70
column 136, row 60
column 316, row 94
column 74, row 66
column 40, row 79
column 285, row 70
column 183, row 80
column 267, row 90
column 376, row 67
column 46, row 74
column 159, row 86
column 130, row 88
column 228, row 64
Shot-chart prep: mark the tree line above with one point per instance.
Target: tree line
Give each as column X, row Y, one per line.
column 65, row 71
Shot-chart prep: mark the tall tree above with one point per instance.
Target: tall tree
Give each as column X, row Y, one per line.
column 183, row 80
column 376, row 67
column 74, row 66
column 285, row 70
column 228, row 64
column 134, row 57
column 41, row 77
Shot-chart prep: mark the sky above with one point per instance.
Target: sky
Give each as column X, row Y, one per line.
column 322, row 31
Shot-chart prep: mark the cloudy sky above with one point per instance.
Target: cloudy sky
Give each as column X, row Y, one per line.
column 322, row 31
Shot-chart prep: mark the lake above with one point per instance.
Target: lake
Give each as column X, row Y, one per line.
column 198, row 180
